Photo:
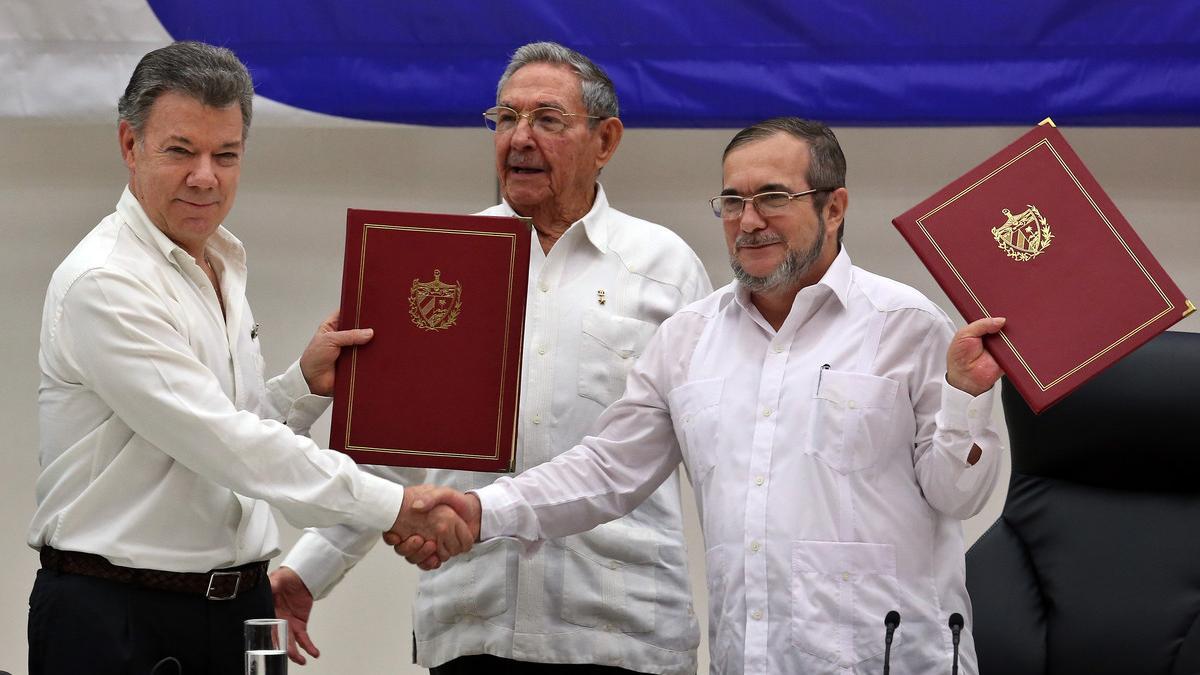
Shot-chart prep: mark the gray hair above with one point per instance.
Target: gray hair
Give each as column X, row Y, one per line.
column 826, row 163
column 212, row 75
column 599, row 95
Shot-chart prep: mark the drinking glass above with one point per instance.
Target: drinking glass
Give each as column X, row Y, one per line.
column 266, row 646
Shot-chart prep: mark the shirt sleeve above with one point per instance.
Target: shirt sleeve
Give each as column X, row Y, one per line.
column 604, row 477
column 124, row 345
column 289, row 400
column 323, row 556
column 949, row 423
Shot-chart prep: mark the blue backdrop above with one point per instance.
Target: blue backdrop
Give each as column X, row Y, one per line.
column 706, row 63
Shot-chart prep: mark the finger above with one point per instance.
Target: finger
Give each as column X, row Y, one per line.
column 431, row 563
column 984, row 326
column 294, row 651
column 443, row 550
column 434, row 496
column 412, row 543
column 429, row 549
column 392, row 538
column 347, row 338
column 463, row 533
column 410, row 549
column 302, row 637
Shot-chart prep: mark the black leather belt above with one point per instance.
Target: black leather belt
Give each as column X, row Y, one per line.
column 215, row 585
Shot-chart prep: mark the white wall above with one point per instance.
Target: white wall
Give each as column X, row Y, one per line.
column 57, row 181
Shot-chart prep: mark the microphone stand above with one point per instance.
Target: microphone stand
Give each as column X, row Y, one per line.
column 956, row 624
column 889, row 622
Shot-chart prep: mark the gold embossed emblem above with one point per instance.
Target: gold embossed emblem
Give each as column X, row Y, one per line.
column 1024, row 236
column 434, row 305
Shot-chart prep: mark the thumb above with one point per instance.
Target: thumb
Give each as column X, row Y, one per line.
column 443, row 495
column 348, row 338
column 983, row 327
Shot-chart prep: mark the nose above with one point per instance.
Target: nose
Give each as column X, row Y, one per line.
column 522, row 135
column 751, row 220
column 202, row 174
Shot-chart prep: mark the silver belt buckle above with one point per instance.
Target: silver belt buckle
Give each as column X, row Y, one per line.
column 212, row 579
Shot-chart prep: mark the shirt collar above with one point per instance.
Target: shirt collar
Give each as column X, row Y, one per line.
column 836, row 280
column 594, row 222
column 226, row 246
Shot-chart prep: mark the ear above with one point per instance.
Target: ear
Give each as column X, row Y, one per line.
column 127, row 139
column 835, row 211
column 609, row 132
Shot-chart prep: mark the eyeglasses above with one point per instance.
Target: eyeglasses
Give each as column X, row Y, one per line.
column 730, row 207
column 502, row 119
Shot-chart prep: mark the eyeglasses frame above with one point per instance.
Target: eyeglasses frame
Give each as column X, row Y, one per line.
column 790, row 195
column 528, row 115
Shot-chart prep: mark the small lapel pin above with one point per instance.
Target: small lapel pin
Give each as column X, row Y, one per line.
column 254, row 331
column 600, row 296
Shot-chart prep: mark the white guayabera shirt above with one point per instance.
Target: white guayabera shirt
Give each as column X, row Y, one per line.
column 829, row 464
column 159, row 437
column 619, row 594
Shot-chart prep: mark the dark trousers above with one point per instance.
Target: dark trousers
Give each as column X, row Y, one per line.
column 80, row 624
column 486, row 664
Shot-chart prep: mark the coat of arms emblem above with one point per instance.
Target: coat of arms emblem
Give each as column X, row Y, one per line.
column 434, row 305
column 1023, row 236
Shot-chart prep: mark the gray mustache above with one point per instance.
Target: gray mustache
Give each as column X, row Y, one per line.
column 753, row 239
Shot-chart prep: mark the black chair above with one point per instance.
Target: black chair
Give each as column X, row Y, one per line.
column 1094, row 565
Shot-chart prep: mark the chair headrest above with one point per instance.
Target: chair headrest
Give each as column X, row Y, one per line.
column 1133, row 426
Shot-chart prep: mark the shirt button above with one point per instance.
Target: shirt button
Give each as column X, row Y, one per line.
column 767, row 412
column 759, row 480
column 537, row 419
column 754, row 546
column 971, row 413
column 541, row 350
column 845, row 576
column 756, row 614
column 778, row 348
column 612, row 564
column 543, row 287
column 852, row 404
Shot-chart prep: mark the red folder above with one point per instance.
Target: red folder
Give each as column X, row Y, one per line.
column 438, row 384
column 1029, row 235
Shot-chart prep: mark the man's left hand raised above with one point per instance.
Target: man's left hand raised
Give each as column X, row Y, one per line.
column 969, row 366
column 320, row 356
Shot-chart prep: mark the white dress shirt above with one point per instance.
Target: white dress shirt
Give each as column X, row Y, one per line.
column 829, row 465
column 618, row 595
column 159, row 439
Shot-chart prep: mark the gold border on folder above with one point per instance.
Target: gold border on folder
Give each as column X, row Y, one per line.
column 362, row 264
column 1044, row 386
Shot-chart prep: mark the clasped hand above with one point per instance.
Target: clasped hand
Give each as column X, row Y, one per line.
column 435, row 524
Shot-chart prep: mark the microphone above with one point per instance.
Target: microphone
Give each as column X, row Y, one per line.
column 890, row 622
column 956, row 625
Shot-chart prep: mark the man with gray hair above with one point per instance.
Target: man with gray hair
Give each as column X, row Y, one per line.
column 617, row 598
column 161, row 444
column 835, row 427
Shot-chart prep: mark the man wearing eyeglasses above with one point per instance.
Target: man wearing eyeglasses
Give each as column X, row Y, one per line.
column 835, row 428
column 615, row 599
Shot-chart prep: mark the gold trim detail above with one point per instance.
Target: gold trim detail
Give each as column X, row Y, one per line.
column 1046, row 122
column 362, row 265
column 1189, row 308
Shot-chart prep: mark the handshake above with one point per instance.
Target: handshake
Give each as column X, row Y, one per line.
column 434, row 525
